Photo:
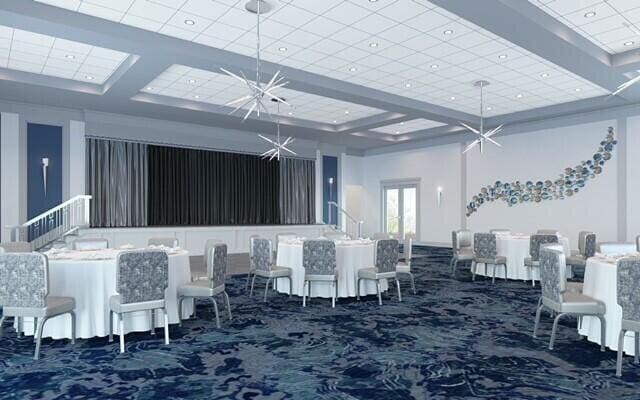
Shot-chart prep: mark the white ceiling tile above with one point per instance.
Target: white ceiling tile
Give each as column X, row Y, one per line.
column 374, row 24
column 101, row 12
column 347, row 13
column 117, row 5
column 403, row 10
column 427, row 21
column 292, row 16
column 142, row 23
column 152, row 11
column 211, row 10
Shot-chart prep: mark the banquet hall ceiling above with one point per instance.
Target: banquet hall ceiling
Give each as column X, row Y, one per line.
column 362, row 73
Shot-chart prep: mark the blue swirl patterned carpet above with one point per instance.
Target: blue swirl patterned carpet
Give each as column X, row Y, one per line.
column 455, row 339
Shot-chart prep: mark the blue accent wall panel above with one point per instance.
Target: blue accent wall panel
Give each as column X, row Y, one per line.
column 330, row 192
column 43, row 141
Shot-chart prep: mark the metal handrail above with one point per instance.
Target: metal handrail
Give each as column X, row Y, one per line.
column 350, row 218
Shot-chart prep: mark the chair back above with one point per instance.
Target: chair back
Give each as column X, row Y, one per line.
column 386, row 256
column 484, row 245
column 552, row 272
column 461, row 239
column 581, row 236
column 548, row 232
column 262, row 254
column 500, row 231
column 142, row 275
column 638, row 243
column 15, row 247
column 319, row 257
column 25, row 280
column 164, row 241
column 90, row 244
column 208, row 248
column 381, row 236
column 628, row 279
column 535, row 241
column 217, row 264
column 589, row 245
column 407, row 248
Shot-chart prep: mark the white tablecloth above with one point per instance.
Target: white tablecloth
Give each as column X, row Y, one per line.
column 350, row 257
column 516, row 249
column 91, row 282
column 600, row 282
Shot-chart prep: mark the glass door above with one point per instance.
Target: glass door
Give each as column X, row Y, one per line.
column 400, row 212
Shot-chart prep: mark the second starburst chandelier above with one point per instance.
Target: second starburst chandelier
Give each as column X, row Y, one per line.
column 482, row 135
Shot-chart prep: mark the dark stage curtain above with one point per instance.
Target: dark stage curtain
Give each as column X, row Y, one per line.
column 297, row 191
column 199, row 187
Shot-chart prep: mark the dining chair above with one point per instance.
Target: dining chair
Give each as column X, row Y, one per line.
column 535, row 241
column 141, row 281
column 586, row 249
column 558, row 299
column 24, row 293
column 170, row 242
column 638, row 243
column 90, row 244
column 404, row 267
column 252, row 266
column 15, row 247
column 385, row 262
column 319, row 263
column 628, row 281
column 462, row 246
column 485, row 251
column 214, row 285
column 265, row 266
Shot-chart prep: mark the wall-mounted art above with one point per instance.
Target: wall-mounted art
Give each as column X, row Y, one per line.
column 567, row 184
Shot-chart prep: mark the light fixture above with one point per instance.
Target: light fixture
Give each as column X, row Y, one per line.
column 282, row 48
column 346, row 111
column 483, row 136
column 578, row 89
column 278, row 146
column 189, row 22
column 335, row 121
column 196, row 96
column 502, row 56
column 629, row 43
column 89, row 77
column 489, row 108
column 401, row 123
column 448, row 32
column 590, row 14
column 452, row 98
column 373, row 44
column 70, row 56
column 519, row 95
column 290, row 113
column 353, row 69
column 439, row 195
column 397, row 132
column 545, row 75
column 192, row 81
column 407, row 85
column 373, row 1
column 434, row 66
column 149, row 88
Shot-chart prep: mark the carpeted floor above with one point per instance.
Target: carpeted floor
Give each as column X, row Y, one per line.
column 454, row 339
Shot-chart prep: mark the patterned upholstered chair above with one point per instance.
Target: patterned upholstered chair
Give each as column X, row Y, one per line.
column 170, row 242
column 141, row 281
column 15, row 247
column 462, row 246
column 586, row 249
column 500, row 231
column 628, row 281
column 265, row 266
column 24, row 292
column 90, row 244
column 548, row 232
column 319, row 262
column 557, row 298
column 252, row 266
column 535, row 241
column 486, row 252
column 216, row 260
column 404, row 267
column 386, row 259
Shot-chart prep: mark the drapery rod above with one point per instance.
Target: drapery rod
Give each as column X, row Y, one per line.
column 184, row 146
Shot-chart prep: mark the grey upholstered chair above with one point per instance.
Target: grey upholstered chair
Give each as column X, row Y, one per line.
column 170, row 242
column 15, row 247
column 586, row 249
column 500, row 231
column 386, row 259
column 252, row 266
column 404, row 267
column 141, row 281
column 24, row 292
column 535, row 241
column 216, row 260
column 90, row 244
column 319, row 262
column 557, row 298
column 265, row 266
column 548, row 232
column 638, row 243
column 628, row 280
column 486, row 252
column 462, row 246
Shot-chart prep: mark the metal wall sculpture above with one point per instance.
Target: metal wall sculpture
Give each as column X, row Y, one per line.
column 570, row 182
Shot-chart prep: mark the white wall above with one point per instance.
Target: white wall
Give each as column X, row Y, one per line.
column 9, row 169
column 633, row 178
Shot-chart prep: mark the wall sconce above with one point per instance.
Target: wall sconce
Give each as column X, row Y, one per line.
column 439, row 195
column 45, row 165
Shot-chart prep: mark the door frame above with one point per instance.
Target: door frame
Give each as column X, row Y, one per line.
column 400, row 184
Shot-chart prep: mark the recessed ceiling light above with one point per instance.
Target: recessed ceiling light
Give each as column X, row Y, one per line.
column 89, row 77
column 335, row 121
column 489, row 108
column 448, row 32
column 290, row 113
column 502, row 56
column 590, row 14
column 373, row 44
column 353, row 69
column 629, row 43
column 401, row 123
column 196, row 97
column 192, row 81
column 149, row 88
column 519, row 96
column 346, row 111
column 372, row 1
column 189, row 22
column 578, row 89
column 434, row 66
column 397, row 132
column 452, row 98
column 282, row 48
column 545, row 75
column 407, row 85
column 70, row 56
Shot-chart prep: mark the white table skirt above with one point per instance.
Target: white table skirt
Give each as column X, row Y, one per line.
column 516, row 249
column 349, row 259
column 91, row 283
column 600, row 282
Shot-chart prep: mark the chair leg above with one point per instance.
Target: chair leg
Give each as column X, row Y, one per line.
column 336, row 292
column 537, row 321
column 215, row 309
column 248, row 278
column 290, row 285
column 636, row 356
column 253, row 281
column 399, row 294
column 73, row 327
column 20, row 326
column 166, row 325
column 226, row 299
column 485, row 270
column 110, row 326
column 36, row 355
column 266, row 289
column 474, row 265
column 180, row 301
column 493, row 278
column 1, row 323
column 379, row 294
column 304, row 294
column 333, row 294
column 358, row 290
column 35, row 328
column 153, row 322
column 505, row 271
column 620, row 351
column 603, row 332
column 554, row 329
column 454, row 266
column 121, row 331
column 413, row 283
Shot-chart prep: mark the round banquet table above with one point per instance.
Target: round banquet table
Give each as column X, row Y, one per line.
column 90, row 278
column 600, row 282
column 350, row 257
column 516, row 249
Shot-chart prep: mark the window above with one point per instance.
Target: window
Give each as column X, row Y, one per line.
column 400, row 207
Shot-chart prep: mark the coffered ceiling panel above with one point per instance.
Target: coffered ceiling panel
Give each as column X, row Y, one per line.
column 408, row 127
column 47, row 55
column 209, row 87
column 614, row 25
column 406, row 47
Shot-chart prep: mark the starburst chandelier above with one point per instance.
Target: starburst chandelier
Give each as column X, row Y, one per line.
column 257, row 91
column 482, row 135
column 277, row 145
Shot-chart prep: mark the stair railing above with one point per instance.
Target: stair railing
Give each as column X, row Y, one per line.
column 353, row 225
